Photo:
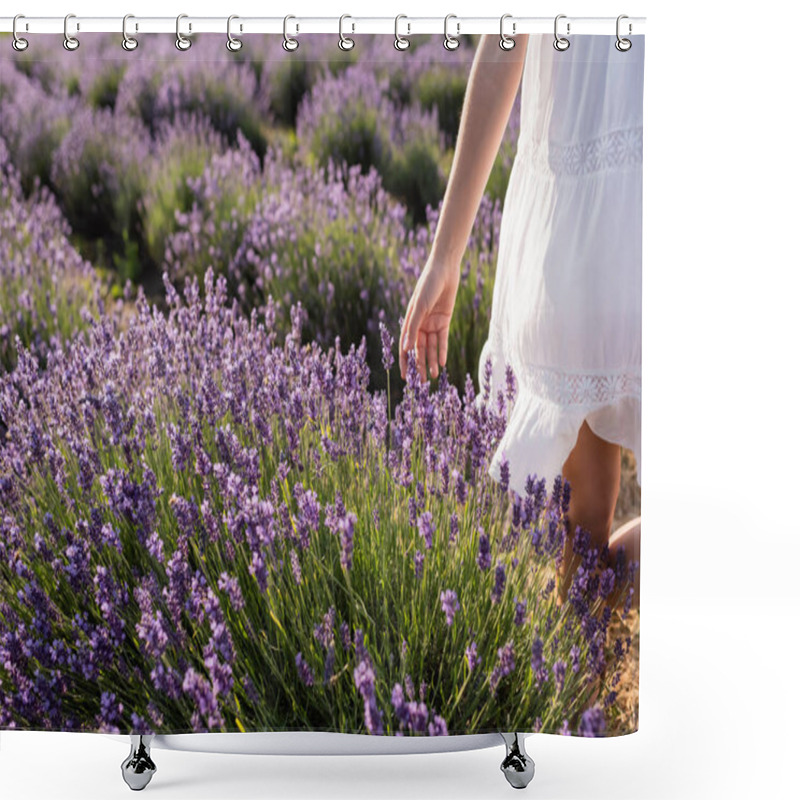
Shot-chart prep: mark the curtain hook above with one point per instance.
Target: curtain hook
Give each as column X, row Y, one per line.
column 289, row 43
column 507, row 42
column 70, row 42
column 233, row 44
column 451, row 42
column 344, row 42
column 128, row 42
column 561, row 43
column 623, row 45
column 181, row 41
column 400, row 42
column 18, row 43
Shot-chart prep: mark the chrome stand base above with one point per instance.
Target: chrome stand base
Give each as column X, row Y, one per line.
column 138, row 768
column 517, row 766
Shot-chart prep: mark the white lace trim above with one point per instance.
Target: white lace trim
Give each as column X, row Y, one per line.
column 614, row 149
column 579, row 388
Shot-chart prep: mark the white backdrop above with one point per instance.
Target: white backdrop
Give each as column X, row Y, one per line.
column 720, row 607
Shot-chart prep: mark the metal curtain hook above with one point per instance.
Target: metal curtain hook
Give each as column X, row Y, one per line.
column 506, row 42
column 451, row 42
column 400, row 42
column 344, row 42
column 18, row 43
column 181, row 41
column 70, row 42
column 560, row 43
column 232, row 44
column 128, row 42
column 289, row 43
column 623, row 45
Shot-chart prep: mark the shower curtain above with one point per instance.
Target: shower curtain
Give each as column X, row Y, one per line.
column 222, row 508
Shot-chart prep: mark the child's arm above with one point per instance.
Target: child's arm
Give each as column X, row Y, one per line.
column 491, row 89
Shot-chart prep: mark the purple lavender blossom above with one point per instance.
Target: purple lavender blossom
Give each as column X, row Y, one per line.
column 346, row 531
column 484, row 557
column 473, row 659
column 400, row 708
column 453, row 527
column 426, row 528
column 437, row 726
column 304, row 670
column 387, row 343
column 505, row 665
column 559, row 674
column 505, row 474
column 323, row 633
column 412, row 511
column 575, row 658
column 419, row 562
column 592, row 723
column 606, row 582
column 364, row 677
column 499, row 583
column 296, row 571
column 450, row 604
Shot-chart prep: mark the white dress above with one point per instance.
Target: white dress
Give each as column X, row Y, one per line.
column 567, row 303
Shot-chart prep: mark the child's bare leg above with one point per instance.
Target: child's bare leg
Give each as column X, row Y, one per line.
column 593, row 470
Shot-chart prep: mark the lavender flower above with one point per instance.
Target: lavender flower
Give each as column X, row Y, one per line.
column 450, row 604
column 364, row 677
column 304, row 670
column 606, row 582
column 592, row 723
column 559, row 674
column 505, row 665
column 520, row 612
column 453, row 527
column 346, row 531
column 504, row 473
column 419, row 562
column 499, row 583
column 484, row 557
column 473, row 659
column 426, row 528
column 387, row 342
column 437, row 727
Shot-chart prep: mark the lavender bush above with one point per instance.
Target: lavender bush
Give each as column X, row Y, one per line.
column 181, row 149
column 182, row 84
column 349, row 117
column 333, row 239
column 201, row 528
column 32, row 122
column 98, row 177
column 46, row 289
column 285, row 78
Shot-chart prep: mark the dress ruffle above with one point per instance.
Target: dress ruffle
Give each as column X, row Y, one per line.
column 540, row 433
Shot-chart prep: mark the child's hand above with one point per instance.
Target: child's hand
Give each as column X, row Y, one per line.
column 427, row 320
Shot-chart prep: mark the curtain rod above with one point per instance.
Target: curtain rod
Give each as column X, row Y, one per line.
column 350, row 25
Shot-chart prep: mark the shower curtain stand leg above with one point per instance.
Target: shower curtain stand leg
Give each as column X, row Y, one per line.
column 138, row 768
column 517, row 766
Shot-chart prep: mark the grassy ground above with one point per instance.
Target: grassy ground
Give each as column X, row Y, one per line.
column 629, row 500
column 628, row 686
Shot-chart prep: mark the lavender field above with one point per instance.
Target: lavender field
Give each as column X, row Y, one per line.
column 220, row 506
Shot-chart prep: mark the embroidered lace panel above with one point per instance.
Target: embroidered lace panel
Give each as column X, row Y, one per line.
column 579, row 388
column 614, row 149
